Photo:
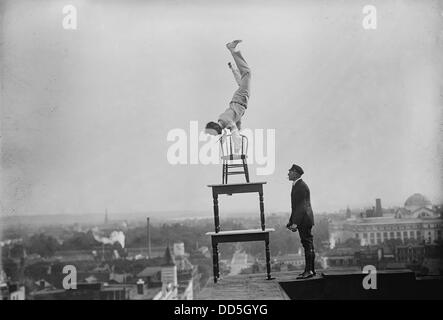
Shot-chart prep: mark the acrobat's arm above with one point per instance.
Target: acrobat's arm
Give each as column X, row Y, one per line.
column 236, row 139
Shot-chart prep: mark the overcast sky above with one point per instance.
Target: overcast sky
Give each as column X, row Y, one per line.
column 86, row 112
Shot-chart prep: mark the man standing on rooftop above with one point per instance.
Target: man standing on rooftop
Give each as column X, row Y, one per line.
column 302, row 218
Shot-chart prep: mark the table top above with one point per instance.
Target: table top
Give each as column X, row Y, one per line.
column 236, row 184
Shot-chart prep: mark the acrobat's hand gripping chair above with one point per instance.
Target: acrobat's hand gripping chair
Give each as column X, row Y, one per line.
column 230, row 158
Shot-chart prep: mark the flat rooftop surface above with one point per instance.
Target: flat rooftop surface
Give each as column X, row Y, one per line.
column 248, row 287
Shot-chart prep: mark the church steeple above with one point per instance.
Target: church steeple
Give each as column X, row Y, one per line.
column 106, row 216
column 169, row 260
column 169, row 274
column 348, row 213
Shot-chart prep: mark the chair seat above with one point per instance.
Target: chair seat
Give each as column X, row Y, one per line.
column 235, row 157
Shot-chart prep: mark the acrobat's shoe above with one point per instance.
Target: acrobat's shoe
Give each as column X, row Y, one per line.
column 231, row 45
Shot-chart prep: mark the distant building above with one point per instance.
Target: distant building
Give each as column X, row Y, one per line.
column 174, row 278
column 428, row 255
column 141, row 292
column 97, row 289
column 84, row 291
column 151, row 275
column 142, row 253
column 169, row 275
column 294, row 259
column 11, row 291
column 352, row 258
column 42, row 284
column 417, row 201
column 339, row 257
column 422, row 224
column 74, row 255
column 378, row 209
column 167, row 278
column 17, row 292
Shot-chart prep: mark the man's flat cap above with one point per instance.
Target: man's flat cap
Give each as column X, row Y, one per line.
column 297, row 169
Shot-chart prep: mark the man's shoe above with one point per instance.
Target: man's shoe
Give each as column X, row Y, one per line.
column 306, row 275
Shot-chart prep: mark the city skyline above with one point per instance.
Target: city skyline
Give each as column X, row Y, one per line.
column 180, row 214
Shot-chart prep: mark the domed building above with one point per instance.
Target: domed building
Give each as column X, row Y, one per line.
column 417, row 201
column 417, row 220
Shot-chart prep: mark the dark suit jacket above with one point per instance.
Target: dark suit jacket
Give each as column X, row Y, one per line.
column 302, row 214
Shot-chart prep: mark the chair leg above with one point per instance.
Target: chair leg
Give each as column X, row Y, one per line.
column 245, row 168
column 224, row 173
column 227, row 173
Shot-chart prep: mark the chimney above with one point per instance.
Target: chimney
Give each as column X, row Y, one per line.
column 378, row 212
column 148, row 237
column 140, row 286
column 42, row 284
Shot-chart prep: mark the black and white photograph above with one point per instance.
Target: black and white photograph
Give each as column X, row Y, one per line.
column 238, row 153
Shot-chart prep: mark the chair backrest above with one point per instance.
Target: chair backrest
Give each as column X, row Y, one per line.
column 226, row 145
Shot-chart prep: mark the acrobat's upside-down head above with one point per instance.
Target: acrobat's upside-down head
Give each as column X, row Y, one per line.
column 213, row 128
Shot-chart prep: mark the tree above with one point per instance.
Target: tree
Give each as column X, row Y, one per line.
column 80, row 241
column 41, row 244
column 352, row 243
column 10, row 268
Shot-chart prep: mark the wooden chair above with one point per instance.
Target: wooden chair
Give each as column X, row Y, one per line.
column 229, row 158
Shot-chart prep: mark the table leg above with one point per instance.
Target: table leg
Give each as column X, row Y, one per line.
column 268, row 259
column 218, row 267
column 214, row 260
column 216, row 217
column 262, row 211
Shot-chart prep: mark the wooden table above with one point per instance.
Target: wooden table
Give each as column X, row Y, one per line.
column 239, row 236
column 233, row 188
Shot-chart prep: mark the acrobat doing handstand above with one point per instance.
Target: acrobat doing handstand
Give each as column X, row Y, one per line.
column 231, row 117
